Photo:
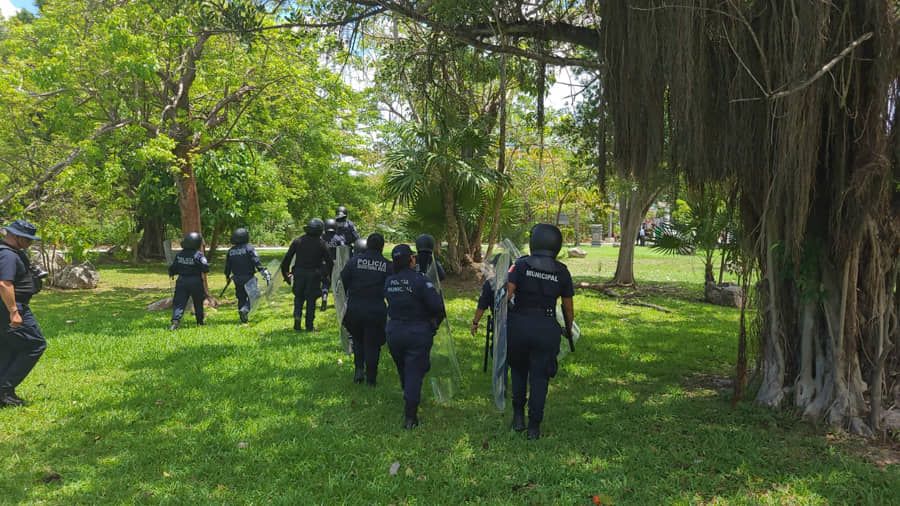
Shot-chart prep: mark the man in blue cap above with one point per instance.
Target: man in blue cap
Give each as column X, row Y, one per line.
column 21, row 341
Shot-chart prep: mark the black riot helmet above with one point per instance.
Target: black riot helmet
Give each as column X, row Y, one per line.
column 341, row 213
column 545, row 241
column 424, row 242
column 240, row 236
column 330, row 225
column 375, row 242
column 191, row 240
column 315, row 227
column 359, row 245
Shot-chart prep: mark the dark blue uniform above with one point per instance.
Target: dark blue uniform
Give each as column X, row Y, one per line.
column 424, row 260
column 415, row 310
column 486, row 299
column 312, row 258
column 242, row 264
column 533, row 332
column 347, row 231
column 363, row 277
column 20, row 347
column 189, row 265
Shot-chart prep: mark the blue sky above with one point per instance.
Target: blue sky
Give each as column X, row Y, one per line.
column 24, row 4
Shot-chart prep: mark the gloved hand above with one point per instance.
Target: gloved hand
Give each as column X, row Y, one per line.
column 287, row 279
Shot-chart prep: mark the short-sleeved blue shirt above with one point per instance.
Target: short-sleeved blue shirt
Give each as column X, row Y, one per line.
column 538, row 288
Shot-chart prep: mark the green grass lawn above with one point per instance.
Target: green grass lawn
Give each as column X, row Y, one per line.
column 123, row 411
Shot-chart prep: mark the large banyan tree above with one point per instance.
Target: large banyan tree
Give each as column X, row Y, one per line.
column 797, row 101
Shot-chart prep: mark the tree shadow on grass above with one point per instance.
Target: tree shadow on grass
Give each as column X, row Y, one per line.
column 272, row 417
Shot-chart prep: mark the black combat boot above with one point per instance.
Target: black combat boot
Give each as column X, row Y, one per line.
column 412, row 419
column 298, row 324
column 518, row 421
column 8, row 398
column 359, row 376
column 175, row 324
column 244, row 315
column 534, row 431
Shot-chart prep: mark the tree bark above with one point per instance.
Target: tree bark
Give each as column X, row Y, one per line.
column 633, row 206
column 449, row 200
column 153, row 234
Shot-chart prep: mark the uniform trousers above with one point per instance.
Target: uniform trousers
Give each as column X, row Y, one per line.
column 20, row 347
column 306, row 288
column 367, row 328
column 410, row 345
column 532, row 347
column 188, row 287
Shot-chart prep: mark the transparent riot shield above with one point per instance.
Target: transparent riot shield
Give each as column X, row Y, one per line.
column 564, row 343
column 500, row 367
column 167, row 250
column 340, row 297
column 445, row 376
column 274, row 286
column 253, row 293
column 170, row 258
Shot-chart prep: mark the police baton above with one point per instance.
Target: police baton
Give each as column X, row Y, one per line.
column 226, row 287
column 488, row 340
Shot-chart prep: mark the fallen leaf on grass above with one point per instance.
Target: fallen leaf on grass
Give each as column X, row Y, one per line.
column 51, row 477
column 70, row 321
column 167, row 474
column 243, row 444
column 485, row 445
column 159, row 402
column 409, row 472
column 394, row 468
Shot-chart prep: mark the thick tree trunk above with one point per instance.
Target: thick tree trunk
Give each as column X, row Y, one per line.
column 453, row 264
column 214, row 242
column 633, row 206
column 153, row 233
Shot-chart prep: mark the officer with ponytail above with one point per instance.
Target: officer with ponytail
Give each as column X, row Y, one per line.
column 190, row 265
column 535, row 283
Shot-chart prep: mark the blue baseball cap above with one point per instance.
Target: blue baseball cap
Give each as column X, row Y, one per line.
column 401, row 250
column 24, row 229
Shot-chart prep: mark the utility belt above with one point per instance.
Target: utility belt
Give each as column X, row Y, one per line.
column 546, row 312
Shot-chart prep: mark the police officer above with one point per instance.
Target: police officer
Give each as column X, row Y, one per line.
column 535, row 282
column 312, row 258
column 415, row 310
column 486, row 298
column 345, row 227
column 363, row 277
column 241, row 266
column 21, row 341
column 333, row 240
column 191, row 266
column 425, row 256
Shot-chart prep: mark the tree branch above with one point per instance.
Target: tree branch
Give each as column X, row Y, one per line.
column 54, row 171
column 213, row 119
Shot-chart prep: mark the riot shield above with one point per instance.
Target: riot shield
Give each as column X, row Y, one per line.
column 273, row 287
column 576, row 333
column 170, row 258
column 445, row 376
column 340, row 296
column 167, row 250
column 500, row 367
column 253, row 293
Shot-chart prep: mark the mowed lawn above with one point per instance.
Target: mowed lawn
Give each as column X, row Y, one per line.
column 123, row 411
